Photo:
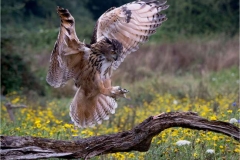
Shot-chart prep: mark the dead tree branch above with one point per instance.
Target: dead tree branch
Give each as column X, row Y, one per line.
column 137, row 139
column 10, row 108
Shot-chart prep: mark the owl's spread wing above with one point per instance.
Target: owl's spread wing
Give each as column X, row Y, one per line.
column 67, row 53
column 131, row 24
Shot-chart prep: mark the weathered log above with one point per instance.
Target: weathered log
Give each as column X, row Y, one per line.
column 137, row 139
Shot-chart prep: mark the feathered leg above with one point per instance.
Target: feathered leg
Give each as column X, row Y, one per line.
column 106, row 88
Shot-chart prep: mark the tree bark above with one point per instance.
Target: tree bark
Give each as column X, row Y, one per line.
column 137, row 139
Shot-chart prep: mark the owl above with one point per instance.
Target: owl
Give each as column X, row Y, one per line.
column 117, row 33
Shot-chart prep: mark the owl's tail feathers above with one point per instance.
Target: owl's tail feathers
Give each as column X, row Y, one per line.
column 86, row 112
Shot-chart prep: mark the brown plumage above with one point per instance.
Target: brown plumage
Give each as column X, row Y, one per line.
column 118, row 32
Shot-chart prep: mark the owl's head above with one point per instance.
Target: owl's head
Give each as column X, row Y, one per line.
column 115, row 48
column 110, row 48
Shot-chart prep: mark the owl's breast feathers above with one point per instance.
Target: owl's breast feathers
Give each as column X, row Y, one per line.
column 100, row 60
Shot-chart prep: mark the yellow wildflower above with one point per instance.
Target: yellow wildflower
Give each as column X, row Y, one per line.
column 214, row 138
column 213, row 118
column 237, row 150
column 16, row 100
column 229, row 111
column 197, row 140
column 67, row 125
column 39, row 125
column 195, row 155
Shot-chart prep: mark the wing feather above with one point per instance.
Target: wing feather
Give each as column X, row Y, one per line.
column 127, row 42
column 67, row 53
column 131, row 24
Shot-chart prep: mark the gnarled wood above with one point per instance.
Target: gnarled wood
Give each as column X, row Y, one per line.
column 137, row 139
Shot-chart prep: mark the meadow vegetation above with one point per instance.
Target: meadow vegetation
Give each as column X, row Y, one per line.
column 52, row 121
column 191, row 64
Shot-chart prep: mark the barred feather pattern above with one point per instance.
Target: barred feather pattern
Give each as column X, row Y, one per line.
column 88, row 111
column 68, row 52
column 131, row 24
column 89, row 107
column 86, row 76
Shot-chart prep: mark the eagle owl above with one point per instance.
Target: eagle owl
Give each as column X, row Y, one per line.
column 118, row 32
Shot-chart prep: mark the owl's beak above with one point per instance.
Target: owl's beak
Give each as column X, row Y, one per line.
column 112, row 57
column 115, row 57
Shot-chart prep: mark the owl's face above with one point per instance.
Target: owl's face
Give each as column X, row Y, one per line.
column 117, row 46
column 113, row 56
column 115, row 49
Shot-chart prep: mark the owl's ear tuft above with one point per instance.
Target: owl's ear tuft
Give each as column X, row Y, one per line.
column 108, row 40
column 118, row 47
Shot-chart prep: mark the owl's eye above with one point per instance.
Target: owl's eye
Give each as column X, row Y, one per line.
column 112, row 52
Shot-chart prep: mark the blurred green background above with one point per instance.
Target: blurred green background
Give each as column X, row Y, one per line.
column 199, row 37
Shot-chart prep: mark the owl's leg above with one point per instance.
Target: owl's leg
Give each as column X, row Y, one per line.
column 106, row 88
column 107, row 83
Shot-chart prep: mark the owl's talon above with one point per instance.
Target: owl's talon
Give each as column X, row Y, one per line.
column 119, row 92
column 123, row 91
